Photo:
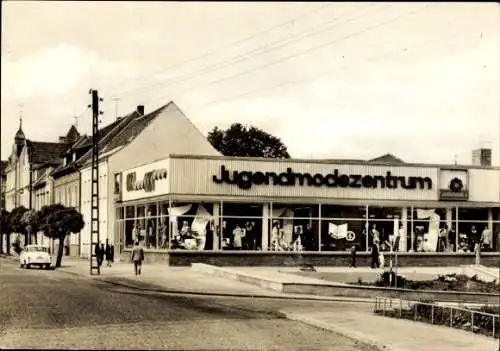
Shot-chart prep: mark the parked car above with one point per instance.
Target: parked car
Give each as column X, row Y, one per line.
column 35, row 255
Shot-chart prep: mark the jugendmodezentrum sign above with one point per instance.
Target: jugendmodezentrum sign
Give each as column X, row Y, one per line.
column 247, row 179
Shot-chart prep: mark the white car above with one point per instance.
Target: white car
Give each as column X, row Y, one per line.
column 35, row 255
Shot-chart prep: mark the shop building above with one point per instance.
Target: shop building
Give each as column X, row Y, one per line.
column 249, row 211
column 142, row 139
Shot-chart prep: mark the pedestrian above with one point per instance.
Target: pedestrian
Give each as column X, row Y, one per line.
column 109, row 257
column 102, row 252
column 353, row 255
column 137, row 258
column 97, row 252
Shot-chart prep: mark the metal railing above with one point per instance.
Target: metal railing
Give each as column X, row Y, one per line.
column 419, row 312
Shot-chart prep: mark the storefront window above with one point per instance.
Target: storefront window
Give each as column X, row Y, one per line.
column 163, row 226
column 241, row 226
column 193, row 226
column 342, row 234
column 471, row 224
column 293, row 227
column 130, row 232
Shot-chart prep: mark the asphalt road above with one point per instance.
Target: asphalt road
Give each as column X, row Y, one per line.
column 51, row 309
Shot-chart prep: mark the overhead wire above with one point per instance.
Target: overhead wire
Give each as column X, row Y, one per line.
column 333, row 70
column 227, row 46
column 335, row 41
column 252, row 53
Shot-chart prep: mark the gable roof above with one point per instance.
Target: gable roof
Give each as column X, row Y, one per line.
column 84, row 143
column 114, row 130
column 134, row 128
column 387, row 158
column 45, row 152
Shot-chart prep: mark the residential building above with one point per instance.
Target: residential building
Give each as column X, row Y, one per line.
column 28, row 181
column 66, row 177
column 3, row 185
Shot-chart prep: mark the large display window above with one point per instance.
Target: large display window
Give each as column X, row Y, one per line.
column 293, row 227
column 241, row 226
column 281, row 226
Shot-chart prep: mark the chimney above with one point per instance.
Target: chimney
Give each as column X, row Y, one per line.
column 481, row 157
column 140, row 109
column 62, row 140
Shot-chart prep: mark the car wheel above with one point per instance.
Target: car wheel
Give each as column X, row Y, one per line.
column 27, row 265
column 22, row 265
column 47, row 266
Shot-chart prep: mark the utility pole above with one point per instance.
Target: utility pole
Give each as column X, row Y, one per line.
column 95, row 268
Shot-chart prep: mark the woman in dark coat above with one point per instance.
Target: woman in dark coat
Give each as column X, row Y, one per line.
column 109, row 253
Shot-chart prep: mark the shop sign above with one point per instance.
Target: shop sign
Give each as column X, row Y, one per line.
column 246, row 179
column 456, row 191
column 147, row 183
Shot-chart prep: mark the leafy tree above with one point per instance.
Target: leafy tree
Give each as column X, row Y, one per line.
column 16, row 224
column 57, row 221
column 5, row 228
column 31, row 223
column 238, row 140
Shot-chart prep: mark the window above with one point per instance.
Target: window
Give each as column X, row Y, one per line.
column 241, row 226
column 294, row 227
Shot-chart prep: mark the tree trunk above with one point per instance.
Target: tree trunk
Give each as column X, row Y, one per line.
column 60, row 251
column 26, row 236
column 1, row 243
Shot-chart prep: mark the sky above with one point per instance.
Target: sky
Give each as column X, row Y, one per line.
column 332, row 80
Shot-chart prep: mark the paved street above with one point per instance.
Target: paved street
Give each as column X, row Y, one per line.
column 51, row 309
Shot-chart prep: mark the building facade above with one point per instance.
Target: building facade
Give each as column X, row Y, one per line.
column 219, row 203
column 28, row 181
column 146, row 138
column 3, row 183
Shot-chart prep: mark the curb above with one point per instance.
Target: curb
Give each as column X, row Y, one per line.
column 348, row 333
column 199, row 293
column 157, row 289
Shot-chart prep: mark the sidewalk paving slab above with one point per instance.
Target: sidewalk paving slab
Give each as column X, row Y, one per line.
column 395, row 334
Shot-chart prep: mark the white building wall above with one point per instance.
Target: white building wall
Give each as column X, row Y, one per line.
column 86, row 179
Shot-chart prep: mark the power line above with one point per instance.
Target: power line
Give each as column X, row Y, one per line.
column 330, row 71
column 237, row 42
column 221, row 80
column 250, row 54
column 306, row 51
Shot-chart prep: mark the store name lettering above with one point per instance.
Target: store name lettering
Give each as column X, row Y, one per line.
column 245, row 180
column 148, row 182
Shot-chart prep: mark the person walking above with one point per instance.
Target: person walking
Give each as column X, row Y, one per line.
column 137, row 258
column 353, row 255
column 109, row 254
column 375, row 255
column 102, row 252
column 99, row 254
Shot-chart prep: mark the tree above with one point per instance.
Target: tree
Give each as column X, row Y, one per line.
column 238, row 140
column 5, row 229
column 57, row 221
column 31, row 223
column 16, row 224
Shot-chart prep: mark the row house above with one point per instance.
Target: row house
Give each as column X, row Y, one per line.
column 28, row 182
column 67, row 177
column 3, row 180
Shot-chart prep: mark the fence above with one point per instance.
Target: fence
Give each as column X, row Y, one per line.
column 452, row 316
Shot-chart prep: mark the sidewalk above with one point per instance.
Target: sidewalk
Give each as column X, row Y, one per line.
column 163, row 278
column 394, row 334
